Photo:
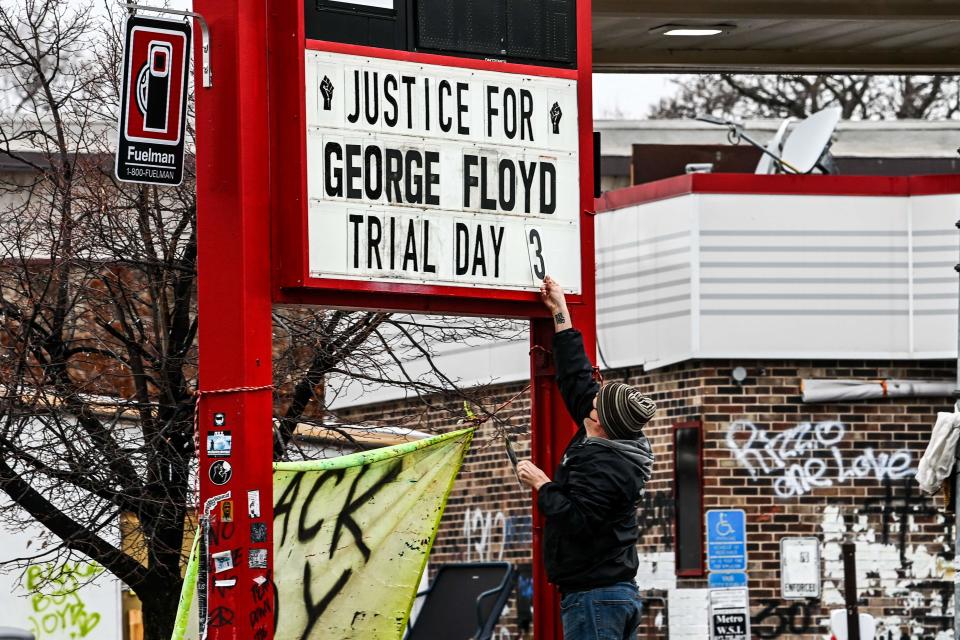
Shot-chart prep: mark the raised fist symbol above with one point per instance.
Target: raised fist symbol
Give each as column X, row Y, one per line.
column 326, row 90
column 555, row 115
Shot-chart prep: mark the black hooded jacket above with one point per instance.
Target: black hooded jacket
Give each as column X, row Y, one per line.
column 590, row 535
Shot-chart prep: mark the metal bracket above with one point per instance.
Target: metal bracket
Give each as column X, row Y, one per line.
column 204, row 35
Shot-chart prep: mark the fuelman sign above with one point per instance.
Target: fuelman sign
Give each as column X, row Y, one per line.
column 430, row 174
column 153, row 106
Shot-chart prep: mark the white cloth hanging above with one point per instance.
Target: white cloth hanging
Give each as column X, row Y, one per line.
column 937, row 460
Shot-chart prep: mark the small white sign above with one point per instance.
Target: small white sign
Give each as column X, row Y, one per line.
column 799, row 568
column 426, row 174
column 729, row 614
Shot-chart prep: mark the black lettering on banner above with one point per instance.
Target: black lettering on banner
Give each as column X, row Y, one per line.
column 492, row 90
column 389, row 87
column 356, row 219
column 469, row 180
column 371, row 107
column 353, row 117
column 548, row 194
column 373, row 169
column 526, row 114
column 497, row 239
column 393, row 243
column 408, row 83
column 478, row 257
column 539, row 268
column 462, row 107
column 306, row 532
column 345, row 515
column 461, row 259
column 332, row 175
column 394, row 175
column 431, row 160
column 426, row 103
column 510, row 112
column 446, row 122
column 315, row 609
column 353, row 171
column 410, row 247
column 284, row 504
column 507, row 187
column 427, row 267
column 374, row 235
column 412, row 180
column 527, row 179
column 486, row 202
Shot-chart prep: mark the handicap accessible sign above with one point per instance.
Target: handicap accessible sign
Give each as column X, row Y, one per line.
column 726, row 540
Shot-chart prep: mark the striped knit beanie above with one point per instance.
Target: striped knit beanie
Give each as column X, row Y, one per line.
column 623, row 410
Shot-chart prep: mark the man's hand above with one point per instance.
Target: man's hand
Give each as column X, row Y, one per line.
column 551, row 293
column 531, row 475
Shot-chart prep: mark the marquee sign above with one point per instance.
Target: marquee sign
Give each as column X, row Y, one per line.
column 421, row 173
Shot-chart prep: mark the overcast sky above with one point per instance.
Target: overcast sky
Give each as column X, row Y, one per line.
column 614, row 95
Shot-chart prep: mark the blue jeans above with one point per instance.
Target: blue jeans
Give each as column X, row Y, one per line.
column 604, row 613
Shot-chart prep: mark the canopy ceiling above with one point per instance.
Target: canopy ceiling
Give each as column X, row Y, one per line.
column 780, row 35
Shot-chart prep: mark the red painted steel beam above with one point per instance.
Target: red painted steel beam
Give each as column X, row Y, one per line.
column 551, row 425
column 234, row 306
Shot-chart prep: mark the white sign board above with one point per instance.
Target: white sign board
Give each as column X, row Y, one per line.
column 799, row 568
column 729, row 614
column 426, row 174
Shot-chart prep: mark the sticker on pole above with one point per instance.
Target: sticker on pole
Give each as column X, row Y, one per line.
column 153, row 105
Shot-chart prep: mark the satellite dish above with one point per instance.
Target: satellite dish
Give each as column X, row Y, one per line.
column 774, row 148
column 809, row 140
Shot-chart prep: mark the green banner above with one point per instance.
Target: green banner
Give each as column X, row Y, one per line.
column 351, row 538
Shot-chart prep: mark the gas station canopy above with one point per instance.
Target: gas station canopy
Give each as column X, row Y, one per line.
column 852, row 36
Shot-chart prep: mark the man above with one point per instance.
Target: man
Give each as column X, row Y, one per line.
column 590, row 537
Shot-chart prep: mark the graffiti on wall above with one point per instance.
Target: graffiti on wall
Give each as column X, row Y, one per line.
column 777, row 618
column 655, row 512
column 489, row 534
column 809, row 456
column 58, row 608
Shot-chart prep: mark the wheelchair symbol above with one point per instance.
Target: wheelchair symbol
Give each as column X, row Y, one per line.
column 723, row 527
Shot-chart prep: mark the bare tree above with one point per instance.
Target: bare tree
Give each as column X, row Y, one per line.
column 98, row 324
column 861, row 97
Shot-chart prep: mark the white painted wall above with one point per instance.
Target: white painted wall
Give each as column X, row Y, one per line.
column 61, row 610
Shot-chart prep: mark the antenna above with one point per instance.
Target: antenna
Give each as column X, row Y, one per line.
column 803, row 151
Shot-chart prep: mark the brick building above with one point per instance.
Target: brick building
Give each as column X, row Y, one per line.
column 839, row 283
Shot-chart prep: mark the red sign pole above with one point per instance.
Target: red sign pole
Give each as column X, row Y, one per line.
column 551, row 426
column 233, row 237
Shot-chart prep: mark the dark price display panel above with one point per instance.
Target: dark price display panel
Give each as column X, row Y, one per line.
column 527, row 31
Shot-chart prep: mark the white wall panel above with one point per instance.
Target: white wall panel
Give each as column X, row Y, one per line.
column 935, row 252
column 644, row 283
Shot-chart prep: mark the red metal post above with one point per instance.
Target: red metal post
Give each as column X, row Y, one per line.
column 551, row 426
column 233, row 231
